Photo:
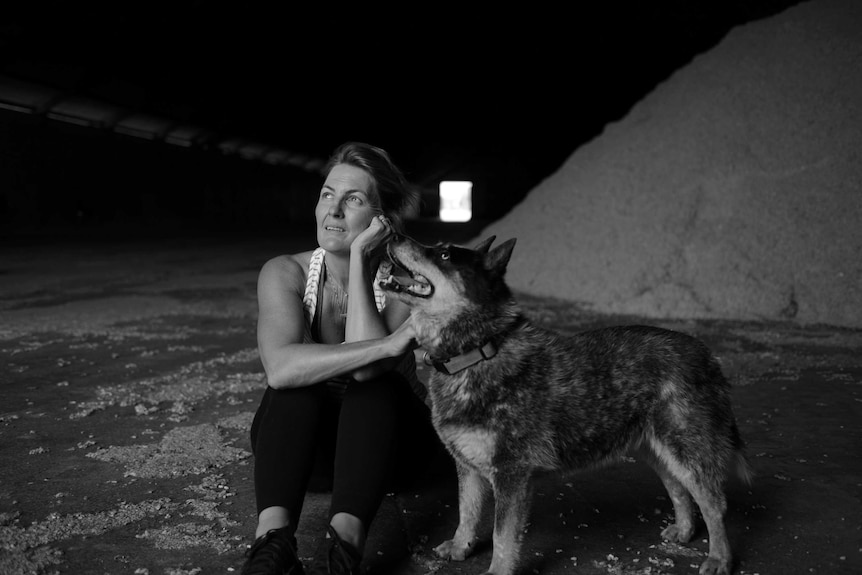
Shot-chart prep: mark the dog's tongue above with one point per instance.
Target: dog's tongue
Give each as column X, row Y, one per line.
column 404, row 283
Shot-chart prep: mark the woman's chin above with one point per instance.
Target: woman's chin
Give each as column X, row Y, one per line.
column 333, row 242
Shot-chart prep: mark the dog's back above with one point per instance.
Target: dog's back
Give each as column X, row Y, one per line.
column 636, row 385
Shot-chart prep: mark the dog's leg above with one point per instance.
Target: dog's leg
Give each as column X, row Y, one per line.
column 512, row 495
column 682, row 529
column 707, row 492
column 713, row 506
column 473, row 491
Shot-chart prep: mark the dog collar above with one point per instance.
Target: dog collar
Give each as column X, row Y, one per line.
column 461, row 362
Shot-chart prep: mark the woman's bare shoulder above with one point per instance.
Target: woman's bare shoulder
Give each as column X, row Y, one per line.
column 287, row 270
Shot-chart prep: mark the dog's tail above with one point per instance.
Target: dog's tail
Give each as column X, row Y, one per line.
column 743, row 467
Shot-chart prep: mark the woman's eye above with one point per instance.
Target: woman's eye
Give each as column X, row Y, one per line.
column 355, row 199
column 444, row 255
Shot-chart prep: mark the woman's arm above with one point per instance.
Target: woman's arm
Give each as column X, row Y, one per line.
column 396, row 318
column 287, row 361
column 364, row 322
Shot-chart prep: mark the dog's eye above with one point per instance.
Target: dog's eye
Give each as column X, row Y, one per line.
column 444, row 255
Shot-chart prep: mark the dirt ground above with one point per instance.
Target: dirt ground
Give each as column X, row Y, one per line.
column 129, row 376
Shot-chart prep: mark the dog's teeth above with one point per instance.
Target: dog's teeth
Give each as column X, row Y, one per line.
column 391, row 283
column 416, row 285
column 423, row 290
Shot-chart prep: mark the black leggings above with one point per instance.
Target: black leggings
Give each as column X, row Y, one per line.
column 360, row 434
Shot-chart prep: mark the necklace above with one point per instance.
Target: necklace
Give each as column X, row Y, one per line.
column 339, row 295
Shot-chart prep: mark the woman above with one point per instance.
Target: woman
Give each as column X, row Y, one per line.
column 338, row 358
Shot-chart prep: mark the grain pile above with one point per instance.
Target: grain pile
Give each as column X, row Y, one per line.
column 733, row 190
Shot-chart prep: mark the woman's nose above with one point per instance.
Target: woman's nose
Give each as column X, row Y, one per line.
column 336, row 209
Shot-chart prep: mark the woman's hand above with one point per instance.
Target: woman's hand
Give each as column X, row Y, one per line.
column 403, row 338
column 373, row 237
column 395, row 346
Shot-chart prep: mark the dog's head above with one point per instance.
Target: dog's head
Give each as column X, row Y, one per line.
column 445, row 282
column 446, row 271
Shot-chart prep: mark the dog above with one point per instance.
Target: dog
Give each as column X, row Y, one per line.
column 511, row 400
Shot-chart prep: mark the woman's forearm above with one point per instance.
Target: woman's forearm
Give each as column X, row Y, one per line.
column 363, row 320
column 298, row 365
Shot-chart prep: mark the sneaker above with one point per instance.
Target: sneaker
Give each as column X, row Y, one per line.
column 335, row 557
column 273, row 554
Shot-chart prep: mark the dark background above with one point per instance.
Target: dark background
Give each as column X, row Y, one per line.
column 501, row 97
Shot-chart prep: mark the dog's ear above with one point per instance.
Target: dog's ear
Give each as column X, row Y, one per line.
column 482, row 247
column 497, row 259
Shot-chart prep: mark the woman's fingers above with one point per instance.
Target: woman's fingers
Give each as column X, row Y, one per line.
column 378, row 231
column 384, row 221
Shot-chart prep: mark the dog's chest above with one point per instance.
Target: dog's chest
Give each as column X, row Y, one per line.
column 474, row 445
column 463, row 419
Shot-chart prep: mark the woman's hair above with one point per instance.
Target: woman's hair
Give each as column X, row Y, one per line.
column 397, row 198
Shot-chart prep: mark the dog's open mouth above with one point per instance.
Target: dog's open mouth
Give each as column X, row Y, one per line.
column 416, row 285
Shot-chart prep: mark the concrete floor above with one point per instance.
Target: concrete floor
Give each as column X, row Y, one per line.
column 129, row 376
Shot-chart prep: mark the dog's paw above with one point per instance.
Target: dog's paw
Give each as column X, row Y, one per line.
column 677, row 534
column 451, row 550
column 714, row 566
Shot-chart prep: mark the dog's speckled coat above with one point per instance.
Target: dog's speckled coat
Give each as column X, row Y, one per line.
column 548, row 403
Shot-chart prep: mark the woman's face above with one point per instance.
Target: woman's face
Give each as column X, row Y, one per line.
column 345, row 207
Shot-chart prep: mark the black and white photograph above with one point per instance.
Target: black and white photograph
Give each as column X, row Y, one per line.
column 431, row 289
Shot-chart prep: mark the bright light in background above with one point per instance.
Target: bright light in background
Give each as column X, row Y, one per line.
column 456, row 203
